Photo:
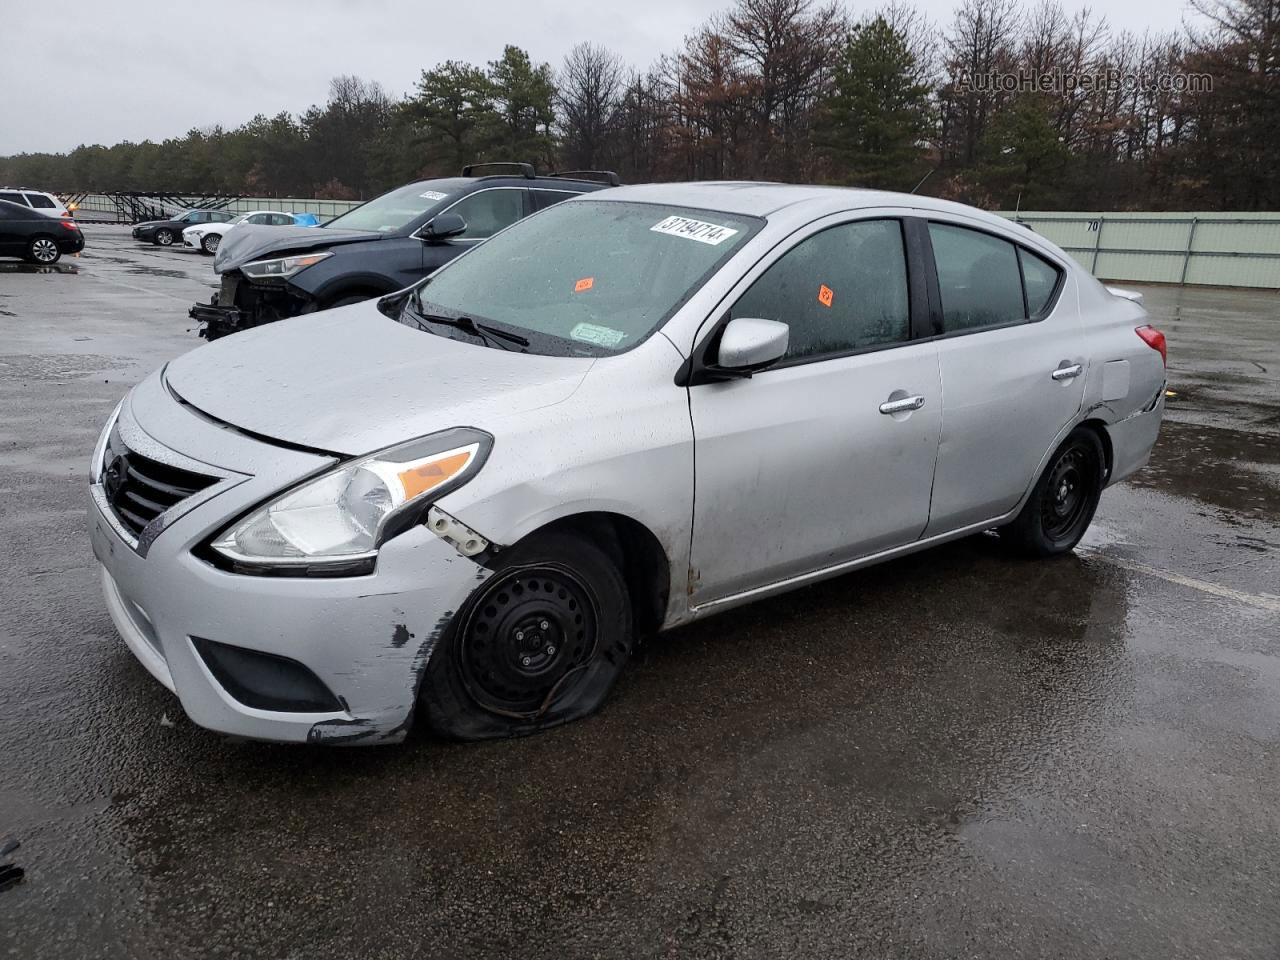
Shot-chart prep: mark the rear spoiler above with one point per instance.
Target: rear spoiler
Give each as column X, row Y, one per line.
column 1133, row 296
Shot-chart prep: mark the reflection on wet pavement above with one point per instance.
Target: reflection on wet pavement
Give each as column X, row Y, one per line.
column 10, row 266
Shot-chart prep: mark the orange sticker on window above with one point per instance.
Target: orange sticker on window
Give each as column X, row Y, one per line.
column 586, row 283
column 825, row 295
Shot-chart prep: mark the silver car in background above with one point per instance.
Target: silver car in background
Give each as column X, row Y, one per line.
column 461, row 505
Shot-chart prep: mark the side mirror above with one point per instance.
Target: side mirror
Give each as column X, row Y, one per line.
column 441, row 228
column 749, row 344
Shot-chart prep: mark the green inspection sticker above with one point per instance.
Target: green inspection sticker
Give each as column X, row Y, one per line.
column 600, row 336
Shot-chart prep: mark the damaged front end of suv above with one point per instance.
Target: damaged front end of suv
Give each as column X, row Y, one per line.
column 257, row 293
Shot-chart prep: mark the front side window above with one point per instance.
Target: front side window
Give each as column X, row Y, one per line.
column 40, row 201
column 978, row 278
column 584, row 278
column 489, row 211
column 840, row 290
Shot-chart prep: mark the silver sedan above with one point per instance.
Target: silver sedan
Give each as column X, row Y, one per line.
column 461, row 505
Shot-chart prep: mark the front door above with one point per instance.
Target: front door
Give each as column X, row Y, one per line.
column 829, row 455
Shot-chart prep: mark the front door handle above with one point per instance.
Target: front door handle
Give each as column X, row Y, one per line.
column 1067, row 372
column 905, row 405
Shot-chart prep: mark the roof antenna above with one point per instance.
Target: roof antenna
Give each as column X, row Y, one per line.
column 923, row 179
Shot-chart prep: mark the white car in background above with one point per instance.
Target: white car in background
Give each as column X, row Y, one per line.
column 37, row 200
column 206, row 236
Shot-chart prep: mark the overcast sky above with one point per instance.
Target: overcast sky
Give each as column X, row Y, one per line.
column 89, row 71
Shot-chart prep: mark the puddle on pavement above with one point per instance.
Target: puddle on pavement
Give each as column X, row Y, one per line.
column 1226, row 468
column 38, row 268
column 56, row 366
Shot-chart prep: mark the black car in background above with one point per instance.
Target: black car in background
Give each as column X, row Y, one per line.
column 166, row 233
column 36, row 237
column 376, row 248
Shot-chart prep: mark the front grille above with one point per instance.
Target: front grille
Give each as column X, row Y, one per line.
column 139, row 489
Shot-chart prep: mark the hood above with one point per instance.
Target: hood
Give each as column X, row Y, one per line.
column 352, row 381
column 151, row 223
column 251, row 241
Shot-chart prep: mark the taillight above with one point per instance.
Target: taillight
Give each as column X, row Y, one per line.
column 1154, row 339
column 69, row 224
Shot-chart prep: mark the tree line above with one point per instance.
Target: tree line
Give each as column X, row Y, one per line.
column 1004, row 106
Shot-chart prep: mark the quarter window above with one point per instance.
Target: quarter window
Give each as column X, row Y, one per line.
column 1041, row 279
column 489, row 211
column 978, row 278
column 841, row 290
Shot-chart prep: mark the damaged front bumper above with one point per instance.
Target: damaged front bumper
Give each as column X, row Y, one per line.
column 364, row 640
column 240, row 304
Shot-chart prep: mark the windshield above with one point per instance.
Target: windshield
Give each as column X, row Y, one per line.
column 585, row 277
column 395, row 210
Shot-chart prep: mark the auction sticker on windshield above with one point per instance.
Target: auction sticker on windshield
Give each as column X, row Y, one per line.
column 699, row 230
column 432, row 195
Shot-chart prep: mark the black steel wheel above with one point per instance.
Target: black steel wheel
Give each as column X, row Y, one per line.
column 164, row 237
column 532, row 630
column 43, row 250
column 540, row 643
column 1063, row 501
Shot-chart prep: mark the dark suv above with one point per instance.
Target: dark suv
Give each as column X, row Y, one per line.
column 376, row 248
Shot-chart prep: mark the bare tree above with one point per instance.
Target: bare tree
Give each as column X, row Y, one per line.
column 589, row 94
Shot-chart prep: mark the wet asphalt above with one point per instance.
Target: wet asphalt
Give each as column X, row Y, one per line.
column 959, row 754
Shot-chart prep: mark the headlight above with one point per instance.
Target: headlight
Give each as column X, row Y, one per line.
column 284, row 267
column 343, row 516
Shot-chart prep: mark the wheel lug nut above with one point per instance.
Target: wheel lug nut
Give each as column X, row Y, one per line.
column 544, row 625
column 551, row 651
column 527, row 661
column 519, row 634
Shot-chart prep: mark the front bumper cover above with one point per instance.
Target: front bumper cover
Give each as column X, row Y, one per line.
column 367, row 638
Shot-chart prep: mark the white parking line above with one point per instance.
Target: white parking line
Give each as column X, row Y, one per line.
column 1263, row 601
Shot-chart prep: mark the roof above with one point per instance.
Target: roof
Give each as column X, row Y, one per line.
column 760, row 199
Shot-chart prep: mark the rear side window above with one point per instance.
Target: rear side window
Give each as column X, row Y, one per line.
column 1041, row 279
column 12, row 197
column 545, row 198
column 40, row 201
column 841, row 290
column 220, row 216
column 978, row 278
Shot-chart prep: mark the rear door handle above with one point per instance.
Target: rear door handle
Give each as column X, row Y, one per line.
column 1067, row 372
column 905, row 405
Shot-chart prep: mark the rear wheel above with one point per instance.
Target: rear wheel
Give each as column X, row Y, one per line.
column 164, row 237
column 209, row 244
column 541, row 643
column 43, row 250
column 1062, row 504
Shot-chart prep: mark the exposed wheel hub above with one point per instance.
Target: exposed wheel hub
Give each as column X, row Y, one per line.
column 529, row 630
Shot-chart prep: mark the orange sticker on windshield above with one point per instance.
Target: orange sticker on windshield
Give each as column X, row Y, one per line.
column 825, row 295
column 586, row 283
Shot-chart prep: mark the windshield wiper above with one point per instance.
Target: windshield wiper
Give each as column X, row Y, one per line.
column 485, row 332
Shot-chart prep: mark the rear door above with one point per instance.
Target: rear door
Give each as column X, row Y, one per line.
column 1011, row 352
column 803, row 466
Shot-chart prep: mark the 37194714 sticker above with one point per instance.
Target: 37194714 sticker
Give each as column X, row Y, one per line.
column 700, row 230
